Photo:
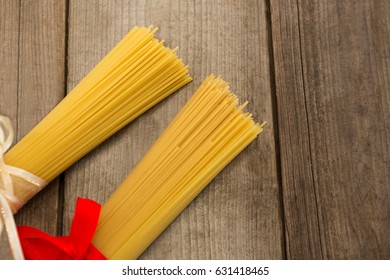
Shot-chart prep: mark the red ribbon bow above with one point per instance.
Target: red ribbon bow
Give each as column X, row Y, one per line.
column 38, row 245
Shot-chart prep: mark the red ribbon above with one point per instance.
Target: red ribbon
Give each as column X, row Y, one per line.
column 38, row 245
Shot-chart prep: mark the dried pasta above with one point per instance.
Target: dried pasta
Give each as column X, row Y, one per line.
column 138, row 73
column 201, row 140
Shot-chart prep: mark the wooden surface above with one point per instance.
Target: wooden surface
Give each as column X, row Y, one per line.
column 315, row 184
column 333, row 99
column 32, row 59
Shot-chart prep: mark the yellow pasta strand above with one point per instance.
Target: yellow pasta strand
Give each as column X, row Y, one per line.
column 138, row 73
column 202, row 139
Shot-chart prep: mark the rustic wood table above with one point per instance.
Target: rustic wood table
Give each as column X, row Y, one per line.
column 315, row 184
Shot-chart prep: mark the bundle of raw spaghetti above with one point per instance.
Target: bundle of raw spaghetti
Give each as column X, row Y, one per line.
column 138, row 73
column 202, row 139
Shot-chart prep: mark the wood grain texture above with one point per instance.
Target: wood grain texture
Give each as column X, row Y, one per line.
column 9, row 34
column 325, row 80
column 32, row 82
column 332, row 62
column 238, row 215
column 9, row 41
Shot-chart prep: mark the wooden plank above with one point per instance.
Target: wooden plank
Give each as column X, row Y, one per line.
column 32, row 81
column 9, row 38
column 332, row 86
column 302, row 237
column 238, row 215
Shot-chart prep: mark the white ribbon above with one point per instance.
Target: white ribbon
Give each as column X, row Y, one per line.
column 9, row 202
column 35, row 183
column 7, row 197
column 6, row 137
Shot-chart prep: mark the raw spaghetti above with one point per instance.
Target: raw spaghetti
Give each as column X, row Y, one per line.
column 201, row 140
column 138, row 73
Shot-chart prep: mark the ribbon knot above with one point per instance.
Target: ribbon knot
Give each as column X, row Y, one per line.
column 38, row 245
column 6, row 187
column 26, row 181
column 35, row 243
column 9, row 203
